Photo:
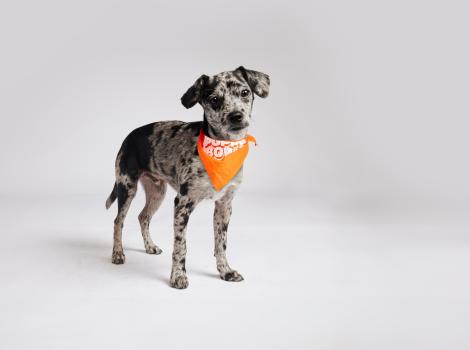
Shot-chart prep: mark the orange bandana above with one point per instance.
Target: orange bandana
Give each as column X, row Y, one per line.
column 222, row 159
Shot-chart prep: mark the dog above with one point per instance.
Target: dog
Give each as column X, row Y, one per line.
column 166, row 152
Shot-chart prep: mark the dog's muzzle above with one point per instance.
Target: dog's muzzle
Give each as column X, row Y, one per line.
column 236, row 121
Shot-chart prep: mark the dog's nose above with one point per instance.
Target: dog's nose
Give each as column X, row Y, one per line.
column 235, row 117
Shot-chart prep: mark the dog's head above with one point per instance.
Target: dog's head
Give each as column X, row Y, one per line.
column 227, row 100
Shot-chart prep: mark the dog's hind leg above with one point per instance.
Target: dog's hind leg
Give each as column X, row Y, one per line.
column 126, row 188
column 155, row 190
column 222, row 213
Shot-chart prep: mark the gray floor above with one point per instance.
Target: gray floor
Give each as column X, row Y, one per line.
column 315, row 278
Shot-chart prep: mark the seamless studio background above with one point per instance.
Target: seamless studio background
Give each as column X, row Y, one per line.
column 351, row 227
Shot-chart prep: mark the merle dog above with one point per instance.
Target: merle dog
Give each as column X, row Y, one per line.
column 166, row 153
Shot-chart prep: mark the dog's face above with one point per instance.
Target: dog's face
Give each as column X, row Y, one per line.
column 227, row 99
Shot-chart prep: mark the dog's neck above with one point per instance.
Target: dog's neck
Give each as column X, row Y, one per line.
column 220, row 135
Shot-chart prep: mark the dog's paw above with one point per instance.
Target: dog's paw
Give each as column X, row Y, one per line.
column 118, row 257
column 179, row 282
column 232, row 276
column 153, row 250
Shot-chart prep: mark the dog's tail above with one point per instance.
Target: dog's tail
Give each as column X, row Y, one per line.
column 112, row 197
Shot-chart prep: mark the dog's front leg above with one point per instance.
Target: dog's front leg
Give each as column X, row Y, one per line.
column 183, row 208
column 222, row 213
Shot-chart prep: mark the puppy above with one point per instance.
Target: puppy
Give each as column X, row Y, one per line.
column 167, row 153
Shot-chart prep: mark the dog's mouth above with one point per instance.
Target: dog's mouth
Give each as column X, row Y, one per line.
column 238, row 127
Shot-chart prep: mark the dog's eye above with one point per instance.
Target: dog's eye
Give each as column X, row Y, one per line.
column 214, row 100
column 245, row 92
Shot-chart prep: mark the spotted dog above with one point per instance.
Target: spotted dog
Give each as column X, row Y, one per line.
column 166, row 153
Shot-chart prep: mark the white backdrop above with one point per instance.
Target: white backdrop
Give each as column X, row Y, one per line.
column 351, row 228
column 369, row 99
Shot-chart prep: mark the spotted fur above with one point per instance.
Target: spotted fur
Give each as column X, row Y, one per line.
column 165, row 153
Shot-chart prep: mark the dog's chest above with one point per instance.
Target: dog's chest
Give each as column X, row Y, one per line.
column 202, row 186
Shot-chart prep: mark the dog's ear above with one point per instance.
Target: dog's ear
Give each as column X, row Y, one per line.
column 193, row 95
column 258, row 82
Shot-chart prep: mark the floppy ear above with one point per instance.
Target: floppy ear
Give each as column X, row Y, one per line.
column 258, row 82
column 193, row 95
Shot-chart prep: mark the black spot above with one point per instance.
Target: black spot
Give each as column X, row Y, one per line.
column 122, row 195
column 233, row 86
column 184, row 219
column 224, row 227
column 158, row 137
column 209, row 88
column 136, row 152
column 177, row 200
column 184, row 189
column 178, row 238
column 174, row 130
column 196, row 152
column 228, row 276
column 225, row 246
column 189, row 205
column 195, row 127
